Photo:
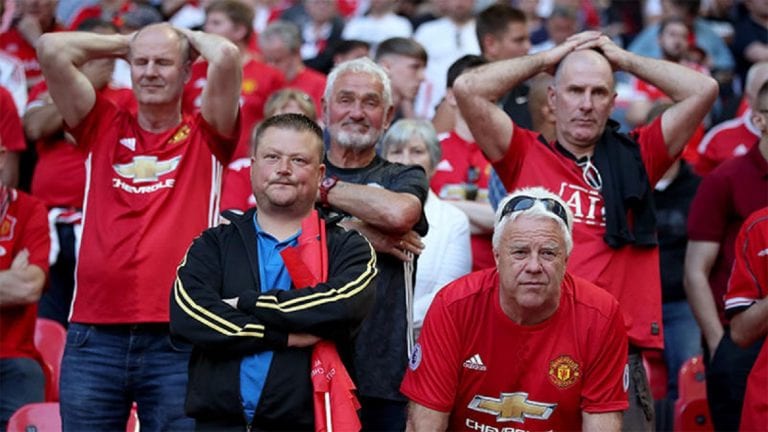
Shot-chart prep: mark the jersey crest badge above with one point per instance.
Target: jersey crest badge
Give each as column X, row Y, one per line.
column 180, row 135
column 7, row 227
column 564, row 371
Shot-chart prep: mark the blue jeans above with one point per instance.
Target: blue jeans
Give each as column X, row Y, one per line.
column 682, row 340
column 107, row 368
column 21, row 382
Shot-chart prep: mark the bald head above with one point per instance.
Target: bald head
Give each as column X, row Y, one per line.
column 756, row 77
column 585, row 59
column 162, row 33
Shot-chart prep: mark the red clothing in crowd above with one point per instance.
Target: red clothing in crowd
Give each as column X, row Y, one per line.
column 59, row 176
column 464, row 168
column 148, row 195
column 11, row 130
column 630, row 273
column 473, row 361
column 725, row 141
column 747, row 285
column 25, row 226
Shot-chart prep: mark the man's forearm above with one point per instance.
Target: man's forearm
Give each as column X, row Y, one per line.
column 676, row 81
column 21, row 286
column 704, row 309
column 421, row 418
column 391, row 211
column 751, row 324
column 76, row 48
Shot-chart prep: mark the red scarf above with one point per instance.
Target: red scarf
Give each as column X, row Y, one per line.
column 334, row 398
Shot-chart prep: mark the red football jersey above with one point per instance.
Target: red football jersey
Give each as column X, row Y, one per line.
column 490, row 373
column 147, row 196
column 631, row 274
column 727, row 140
column 59, row 176
column 11, row 130
column 25, row 226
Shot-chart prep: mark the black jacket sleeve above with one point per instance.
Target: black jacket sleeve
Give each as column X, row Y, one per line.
column 333, row 309
column 198, row 312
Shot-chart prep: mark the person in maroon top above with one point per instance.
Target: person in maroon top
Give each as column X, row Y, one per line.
column 726, row 197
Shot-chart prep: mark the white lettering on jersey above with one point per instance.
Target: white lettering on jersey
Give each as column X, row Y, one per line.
column 586, row 204
column 477, row 426
column 165, row 184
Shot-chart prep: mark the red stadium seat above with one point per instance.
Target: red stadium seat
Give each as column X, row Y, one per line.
column 38, row 417
column 50, row 339
column 691, row 409
column 44, row 417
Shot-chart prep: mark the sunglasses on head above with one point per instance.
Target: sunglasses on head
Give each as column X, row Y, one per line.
column 524, row 202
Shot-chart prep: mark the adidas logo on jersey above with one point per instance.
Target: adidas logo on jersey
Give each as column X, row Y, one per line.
column 474, row 363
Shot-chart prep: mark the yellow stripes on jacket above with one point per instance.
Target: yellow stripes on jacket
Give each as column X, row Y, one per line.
column 348, row 290
column 206, row 317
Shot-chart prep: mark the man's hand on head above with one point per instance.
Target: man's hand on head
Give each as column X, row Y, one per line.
column 555, row 55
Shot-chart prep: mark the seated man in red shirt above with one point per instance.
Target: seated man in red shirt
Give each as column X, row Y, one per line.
column 24, row 245
column 525, row 345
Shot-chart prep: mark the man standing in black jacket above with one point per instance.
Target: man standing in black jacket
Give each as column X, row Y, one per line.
column 254, row 296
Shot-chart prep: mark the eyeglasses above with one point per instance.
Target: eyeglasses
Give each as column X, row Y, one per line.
column 590, row 173
column 524, row 202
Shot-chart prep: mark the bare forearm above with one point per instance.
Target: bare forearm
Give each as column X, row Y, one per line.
column 491, row 81
column 480, row 215
column 42, row 121
column 21, row 286
column 421, row 418
column 602, row 422
column 751, row 324
column 703, row 306
column 676, row 81
column 394, row 212
column 67, row 49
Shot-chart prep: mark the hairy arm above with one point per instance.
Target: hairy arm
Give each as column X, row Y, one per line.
column 421, row 418
column 221, row 95
column 61, row 54
column 394, row 212
column 601, row 422
column 699, row 258
column 478, row 90
column 42, row 120
column 693, row 93
column 22, row 283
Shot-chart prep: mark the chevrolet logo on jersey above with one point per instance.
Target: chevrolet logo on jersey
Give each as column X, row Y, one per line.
column 512, row 407
column 146, row 168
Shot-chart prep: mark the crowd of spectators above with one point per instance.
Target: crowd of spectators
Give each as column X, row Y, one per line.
column 431, row 111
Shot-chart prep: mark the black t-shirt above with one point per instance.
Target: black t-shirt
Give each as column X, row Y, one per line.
column 381, row 348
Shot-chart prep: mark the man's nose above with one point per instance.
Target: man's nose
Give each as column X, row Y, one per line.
column 284, row 166
column 533, row 265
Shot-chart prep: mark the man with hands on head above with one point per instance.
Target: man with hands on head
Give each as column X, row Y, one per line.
column 152, row 186
column 604, row 176
column 524, row 345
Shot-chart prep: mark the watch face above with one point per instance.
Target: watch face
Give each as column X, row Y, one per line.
column 328, row 182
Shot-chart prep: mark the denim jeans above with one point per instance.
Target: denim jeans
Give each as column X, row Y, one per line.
column 682, row 340
column 21, row 382
column 107, row 368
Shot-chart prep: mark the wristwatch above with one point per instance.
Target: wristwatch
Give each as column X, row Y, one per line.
column 327, row 184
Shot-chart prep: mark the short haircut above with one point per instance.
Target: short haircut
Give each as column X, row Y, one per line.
column 401, row 46
column 462, row 65
column 345, row 46
column 237, row 12
column 279, row 98
column 360, row 65
column 495, row 19
column 538, row 210
column 289, row 121
column 285, row 31
column 185, row 49
column 400, row 133
column 668, row 21
column 566, row 12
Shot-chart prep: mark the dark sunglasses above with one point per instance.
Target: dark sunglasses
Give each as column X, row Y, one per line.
column 523, row 202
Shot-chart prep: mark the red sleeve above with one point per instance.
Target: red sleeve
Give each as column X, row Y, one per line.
column 708, row 216
column 11, row 131
column 432, row 379
column 103, row 114
column 749, row 277
column 605, row 388
column 653, row 149
column 35, row 236
column 509, row 167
